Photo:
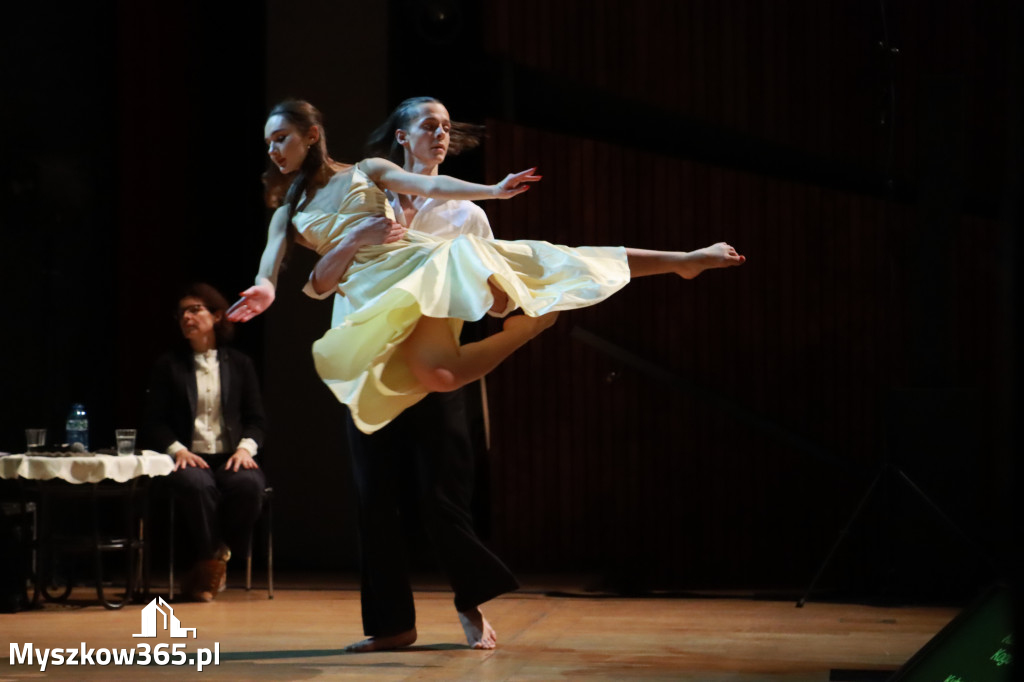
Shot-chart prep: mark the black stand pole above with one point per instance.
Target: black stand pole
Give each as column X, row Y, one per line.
column 887, row 470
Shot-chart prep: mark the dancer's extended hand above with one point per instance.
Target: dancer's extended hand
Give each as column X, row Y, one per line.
column 254, row 301
column 515, row 183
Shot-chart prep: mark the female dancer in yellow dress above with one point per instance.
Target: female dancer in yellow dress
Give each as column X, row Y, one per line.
column 410, row 294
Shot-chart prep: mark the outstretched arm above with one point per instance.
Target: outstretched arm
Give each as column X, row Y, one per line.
column 259, row 296
column 390, row 176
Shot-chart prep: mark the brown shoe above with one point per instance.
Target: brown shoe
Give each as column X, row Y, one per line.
column 204, row 580
column 224, row 554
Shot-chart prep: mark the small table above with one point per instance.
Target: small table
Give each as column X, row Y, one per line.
column 91, row 476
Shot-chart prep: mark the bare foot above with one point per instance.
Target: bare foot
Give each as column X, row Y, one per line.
column 528, row 326
column 402, row 639
column 719, row 255
column 479, row 633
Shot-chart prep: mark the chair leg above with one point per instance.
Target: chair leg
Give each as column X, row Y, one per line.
column 270, row 550
column 170, row 553
column 269, row 520
column 248, row 565
column 35, row 535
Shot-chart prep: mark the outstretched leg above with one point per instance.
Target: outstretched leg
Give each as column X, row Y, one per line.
column 686, row 264
column 440, row 364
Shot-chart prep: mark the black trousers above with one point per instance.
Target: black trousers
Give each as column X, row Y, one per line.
column 217, row 505
column 429, row 443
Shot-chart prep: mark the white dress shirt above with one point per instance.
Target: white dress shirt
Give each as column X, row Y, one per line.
column 446, row 218
column 208, row 433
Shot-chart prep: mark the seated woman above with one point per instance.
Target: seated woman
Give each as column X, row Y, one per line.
column 410, row 295
column 204, row 409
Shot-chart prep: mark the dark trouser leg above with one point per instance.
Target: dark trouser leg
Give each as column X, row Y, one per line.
column 241, row 500
column 378, row 467
column 196, row 498
column 445, row 460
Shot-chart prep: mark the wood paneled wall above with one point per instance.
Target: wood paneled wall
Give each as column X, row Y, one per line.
column 809, row 76
column 598, row 467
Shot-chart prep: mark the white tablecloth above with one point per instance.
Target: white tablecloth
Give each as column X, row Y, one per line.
column 87, row 469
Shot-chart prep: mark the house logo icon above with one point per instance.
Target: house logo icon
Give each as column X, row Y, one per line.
column 171, row 622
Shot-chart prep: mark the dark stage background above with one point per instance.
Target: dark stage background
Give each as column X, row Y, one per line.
column 718, row 433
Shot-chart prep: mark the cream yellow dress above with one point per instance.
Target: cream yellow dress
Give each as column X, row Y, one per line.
column 390, row 286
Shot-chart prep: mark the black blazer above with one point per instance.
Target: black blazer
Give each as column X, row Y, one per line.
column 171, row 400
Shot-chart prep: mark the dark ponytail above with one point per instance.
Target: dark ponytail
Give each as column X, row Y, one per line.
column 382, row 141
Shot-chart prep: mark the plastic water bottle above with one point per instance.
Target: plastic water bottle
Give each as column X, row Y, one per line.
column 78, row 426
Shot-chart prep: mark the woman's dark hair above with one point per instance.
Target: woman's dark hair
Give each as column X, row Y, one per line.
column 280, row 189
column 224, row 329
column 382, row 141
column 316, row 167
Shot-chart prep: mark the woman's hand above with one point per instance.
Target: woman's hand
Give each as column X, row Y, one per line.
column 241, row 460
column 515, row 183
column 254, row 301
column 185, row 458
column 330, row 270
column 378, row 230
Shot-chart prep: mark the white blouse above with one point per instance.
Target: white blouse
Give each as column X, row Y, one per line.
column 208, row 433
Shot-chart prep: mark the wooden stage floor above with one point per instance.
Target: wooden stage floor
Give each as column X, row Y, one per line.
column 300, row 635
